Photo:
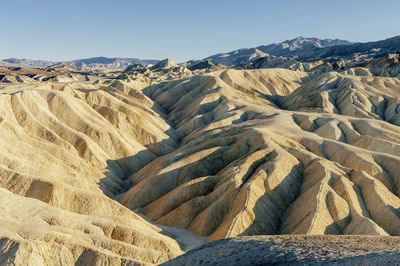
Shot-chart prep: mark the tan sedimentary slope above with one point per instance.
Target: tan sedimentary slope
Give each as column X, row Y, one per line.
column 245, row 166
column 62, row 72
column 359, row 96
column 64, row 153
column 34, row 233
column 388, row 65
column 223, row 154
column 295, row 250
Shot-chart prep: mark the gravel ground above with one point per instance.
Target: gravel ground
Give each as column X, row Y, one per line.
column 295, row 249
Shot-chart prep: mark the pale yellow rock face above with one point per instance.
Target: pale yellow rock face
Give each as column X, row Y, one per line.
column 223, row 154
column 34, row 233
column 65, row 151
column 276, row 151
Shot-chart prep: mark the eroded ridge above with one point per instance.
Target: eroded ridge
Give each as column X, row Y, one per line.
column 244, row 166
column 223, row 154
column 66, row 150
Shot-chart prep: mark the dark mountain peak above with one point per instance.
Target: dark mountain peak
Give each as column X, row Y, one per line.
column 207, row 64
column 298, row 43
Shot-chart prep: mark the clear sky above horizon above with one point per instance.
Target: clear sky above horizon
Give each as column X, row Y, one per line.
column 182, row 30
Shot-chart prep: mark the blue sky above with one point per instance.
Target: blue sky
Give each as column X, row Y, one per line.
column 179, row 29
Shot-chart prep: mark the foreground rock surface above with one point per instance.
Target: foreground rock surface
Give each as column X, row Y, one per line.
column 299, row 250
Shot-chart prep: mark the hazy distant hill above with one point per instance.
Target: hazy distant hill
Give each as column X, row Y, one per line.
column 29, row 62
column 94, row 62
column 105, row 62
column 236, row 57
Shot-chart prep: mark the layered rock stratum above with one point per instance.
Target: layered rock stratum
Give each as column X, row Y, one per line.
column 139, row 166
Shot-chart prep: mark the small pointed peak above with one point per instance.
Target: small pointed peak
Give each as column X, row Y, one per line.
column 164, row 64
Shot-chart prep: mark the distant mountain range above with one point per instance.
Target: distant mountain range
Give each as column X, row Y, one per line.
column 300, row 48
column 105, row 62
column 26, row 62
column 290, row 47
column 94, row 62
column 286, row 48
column 372, row 49
column 308, row 49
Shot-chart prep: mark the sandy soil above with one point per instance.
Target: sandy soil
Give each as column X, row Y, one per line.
column 185, row 238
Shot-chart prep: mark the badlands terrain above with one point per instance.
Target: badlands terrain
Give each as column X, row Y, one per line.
column 110, row 166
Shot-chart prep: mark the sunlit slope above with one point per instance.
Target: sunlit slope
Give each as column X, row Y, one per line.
column 67, row 150
column 359, row 96
column 247, row 166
